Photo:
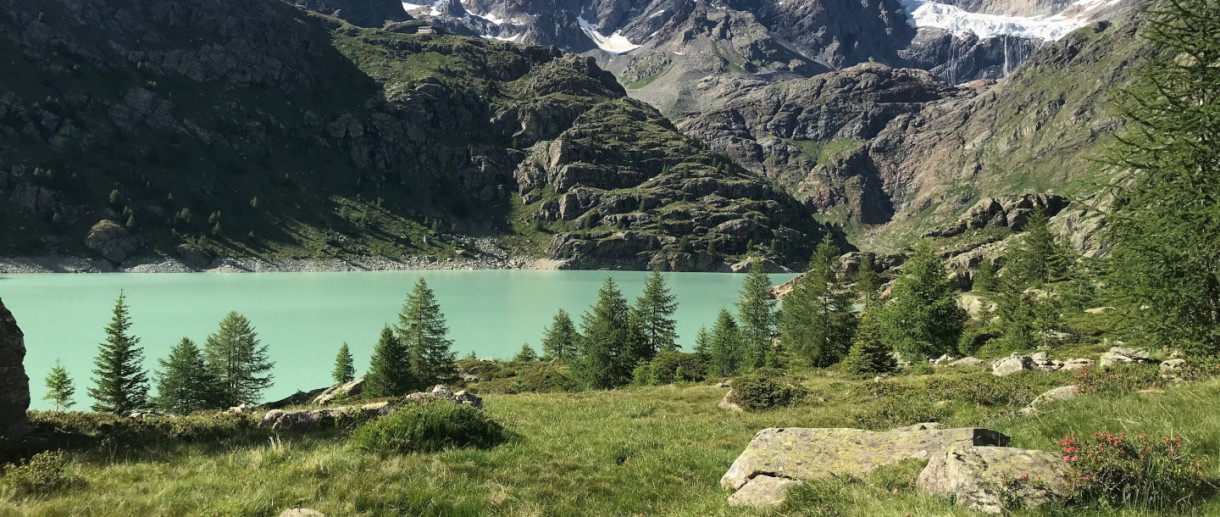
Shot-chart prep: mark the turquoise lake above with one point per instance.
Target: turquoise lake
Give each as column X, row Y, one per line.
column 304, row 317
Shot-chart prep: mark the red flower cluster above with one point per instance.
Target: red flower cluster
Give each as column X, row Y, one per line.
column 1119, row 468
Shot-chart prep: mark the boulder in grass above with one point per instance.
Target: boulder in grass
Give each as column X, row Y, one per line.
column 1118, row 355
column 348, row 389
column 1060, row 393
column 727, row 403
column 995, row 479
column 318, row 419
column 763, row 492
column 1011, row 364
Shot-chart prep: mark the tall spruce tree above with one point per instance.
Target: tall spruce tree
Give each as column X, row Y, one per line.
column 654, row 312
column 726, row 352
column 120, row 384
column 238, row 362
column 1038, row 257
column 560, row 339
column 608, row 337
column 867, row 282
column 756, row 316
column 422, row 329
column 1166, row 231
column 184, row 384
column 345, row 368
column 390, row 372
column 59, row 387
column 817, row 320
column 921, row 317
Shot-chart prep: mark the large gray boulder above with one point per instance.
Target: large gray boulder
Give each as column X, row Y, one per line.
column 995, row 479
column 812, row 454
column 1011, row 364
column 317, row 419
column 1052, row 395
column 1118, row 355
column 442, row 392
column 349, row 389
column 14, row 385
column 110, row 240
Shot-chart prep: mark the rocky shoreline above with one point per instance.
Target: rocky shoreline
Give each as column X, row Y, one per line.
column 58, row 264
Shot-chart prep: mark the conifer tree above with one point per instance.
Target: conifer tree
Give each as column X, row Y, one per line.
column 1165, row 233
column 703, row 344
column 869, row 355
column 1038, row 257
column 985, row 278
column 756, row 316
column 390, row 372
column 816, row 320
column 526, row 355
column 345, row 369
column 921, row 317
column 238, row 362
column 184, row 384
column 422, row 329
column 654, row 312
column 560, row 339
column 867, row 281
column 726, row 350
column 120, row 382
column 608, row 336
column 59, row 387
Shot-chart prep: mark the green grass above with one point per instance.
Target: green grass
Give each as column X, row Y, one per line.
column 645, row 81
column 641, row 451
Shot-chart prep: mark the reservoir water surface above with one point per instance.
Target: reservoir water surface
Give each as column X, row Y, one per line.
column 304, row 317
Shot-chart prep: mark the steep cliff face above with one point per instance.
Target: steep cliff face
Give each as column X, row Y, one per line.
column 895, row 152
column 257, row 128
column 14, row 385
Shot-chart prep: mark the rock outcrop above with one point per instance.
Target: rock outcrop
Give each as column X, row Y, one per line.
column 1011, row 364
column 111, row 240
column 1052, row 395
column 727, row 403
column 442, row 392
column 763, row 492
column 995, row 479
column 14, row 385
column 317, row 419
column 349, row 389
column 1118, row 355
column 812, row 454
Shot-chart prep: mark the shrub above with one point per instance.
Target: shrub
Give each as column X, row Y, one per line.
column 42, row 475
column 765, row 388
column 973, row 339
column 548, row 378
column 1142, row 471
column 430, row 427
column 669, row 367
column 1119, row 378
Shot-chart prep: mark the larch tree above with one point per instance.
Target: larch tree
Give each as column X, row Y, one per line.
column 59, row 387
column 985, row 278
column 922, row 318
column 1038, row 256
column 345, row 368
column 654, row 312
column 184, row 383
column 868, row 354
column 423, row 331
column 817, row 320
column 526, row 354
column 238, row 361
column 120, row 383
column 756, row 317
column 390, row 372
column 867, row 282
column 726, row 352
column 1166, row 231
column 608, row 337
column 559, row 340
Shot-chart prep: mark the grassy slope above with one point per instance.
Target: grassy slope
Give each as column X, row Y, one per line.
column 647, row 451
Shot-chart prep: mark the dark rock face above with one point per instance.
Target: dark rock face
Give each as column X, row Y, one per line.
column 363, row 13
column 14, row 385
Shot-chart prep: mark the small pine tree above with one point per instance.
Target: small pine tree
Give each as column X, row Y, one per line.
column 867, row 281
column 1038, row 257
column 816, row 320
column 756, row 315
column 390, row 373
column 703, row 344
column 654, row 312
column 526, row 355
column 608, row 336
column 120, row 382
column 345, row 369
column 422, row 329
column 560, row 339
column 869, row 355
column 59, row 387
column 238, row 362
column 184, row 384
column 985, row 278
column 725, row 347
column 922, row 318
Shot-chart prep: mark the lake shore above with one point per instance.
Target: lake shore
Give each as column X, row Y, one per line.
column 58, row 264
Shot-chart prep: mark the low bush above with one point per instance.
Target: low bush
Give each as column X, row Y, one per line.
column 669, row 367
column 42, row 475
column 765, row 388
column 429, row 427
column 973, row 339
column 1116, row 379
column 82, row 428
column 1133, row 471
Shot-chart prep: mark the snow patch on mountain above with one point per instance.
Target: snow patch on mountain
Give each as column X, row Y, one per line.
column 435, row 7
column 959, row 21
column 615, row 43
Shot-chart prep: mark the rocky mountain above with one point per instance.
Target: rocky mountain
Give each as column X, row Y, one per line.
column 681, row 55
column 894, row 152
column 237, row 128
